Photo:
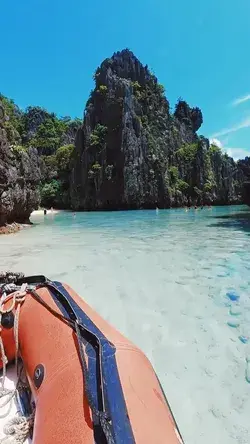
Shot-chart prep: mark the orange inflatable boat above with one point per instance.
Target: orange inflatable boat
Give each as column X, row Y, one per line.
column 88, row 382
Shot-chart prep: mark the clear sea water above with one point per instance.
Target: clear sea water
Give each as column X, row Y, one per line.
column 165, row 280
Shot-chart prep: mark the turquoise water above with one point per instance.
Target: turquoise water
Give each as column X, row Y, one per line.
column 166, row 281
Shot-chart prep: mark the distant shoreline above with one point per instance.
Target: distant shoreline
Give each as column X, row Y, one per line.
column 10, row 228
column 108, row 210
column 14, row 227
column 40, row 211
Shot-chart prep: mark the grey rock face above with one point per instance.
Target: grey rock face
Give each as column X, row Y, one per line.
column 244, row 169
column 129, row 150
column 19, row 177
column 34, row 117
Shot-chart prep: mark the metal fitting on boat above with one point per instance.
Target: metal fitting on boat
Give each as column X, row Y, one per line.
column 38, row 375
column 7, row 320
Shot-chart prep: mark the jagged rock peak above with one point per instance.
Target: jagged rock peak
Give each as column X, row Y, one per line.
column 191, row 117
column 132, row 152
column 125, row 65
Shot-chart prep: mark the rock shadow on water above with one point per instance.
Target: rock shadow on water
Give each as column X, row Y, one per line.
column 237, row 221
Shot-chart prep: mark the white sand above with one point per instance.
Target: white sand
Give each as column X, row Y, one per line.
column 40, row 212
column 162, row 282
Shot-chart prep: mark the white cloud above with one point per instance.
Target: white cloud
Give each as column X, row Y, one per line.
column 244, row 124
column 241, row 100
column 216, row 142
column 236, row 153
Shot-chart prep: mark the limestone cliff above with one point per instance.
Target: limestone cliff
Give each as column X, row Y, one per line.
column 35, row 154
column 244, row 167
column 132, row 152
column 19, row 178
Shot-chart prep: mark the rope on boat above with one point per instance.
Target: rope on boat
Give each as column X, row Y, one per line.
column 8, row 277
column 17, row 430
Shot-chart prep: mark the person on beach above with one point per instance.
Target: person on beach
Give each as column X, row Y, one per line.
column 44, row 211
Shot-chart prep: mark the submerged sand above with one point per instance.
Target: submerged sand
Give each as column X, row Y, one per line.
column 162, row 279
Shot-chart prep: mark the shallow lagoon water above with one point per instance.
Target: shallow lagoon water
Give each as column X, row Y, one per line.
column 164, row 279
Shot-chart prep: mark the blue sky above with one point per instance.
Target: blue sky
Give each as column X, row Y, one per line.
column 198, row 50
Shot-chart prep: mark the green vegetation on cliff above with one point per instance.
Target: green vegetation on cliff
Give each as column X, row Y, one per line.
column 130, row 151
column 145, row 155
column 38, row 128
column 55, row 189
column 52, row 137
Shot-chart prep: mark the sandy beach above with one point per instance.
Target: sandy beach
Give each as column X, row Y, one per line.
column 40, row 212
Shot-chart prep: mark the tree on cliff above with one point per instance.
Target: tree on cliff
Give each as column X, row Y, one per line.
column 52, row 137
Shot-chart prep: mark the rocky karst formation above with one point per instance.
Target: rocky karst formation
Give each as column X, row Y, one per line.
column 244, row 167
column 35, row 154
column 132, row 152
column 129, row 152
column 19, row 179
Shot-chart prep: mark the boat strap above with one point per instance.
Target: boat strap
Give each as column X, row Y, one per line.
column 108, row 404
